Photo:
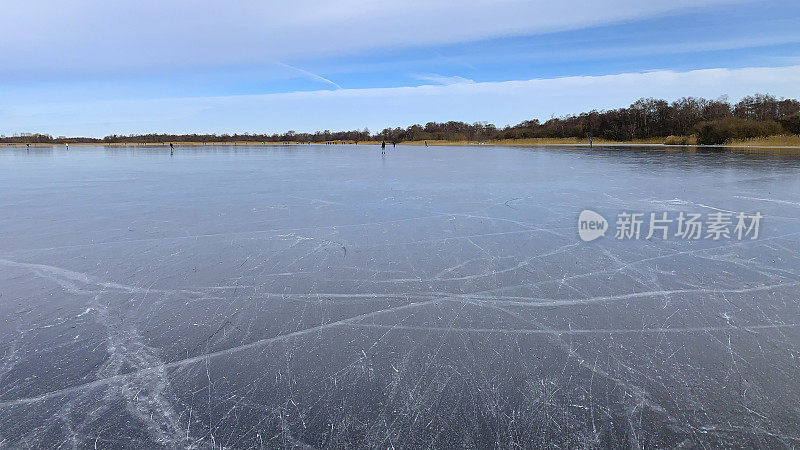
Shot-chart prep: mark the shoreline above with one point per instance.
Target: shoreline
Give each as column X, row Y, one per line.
column 434, row 143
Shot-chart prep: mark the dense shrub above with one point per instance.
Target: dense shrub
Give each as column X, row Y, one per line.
column 791, row 124
column 718, row 132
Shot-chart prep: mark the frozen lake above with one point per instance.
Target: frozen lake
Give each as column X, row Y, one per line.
column 328, row 296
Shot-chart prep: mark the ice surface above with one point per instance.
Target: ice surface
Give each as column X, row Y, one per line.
column 326, row 296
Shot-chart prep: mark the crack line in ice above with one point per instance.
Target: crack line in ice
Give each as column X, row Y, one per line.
column 53, row 273
column 203, row 357
column 534, row 302
column 639, row 261
column 147, row 397
column 782, row 202
column 576, row 331
column 643, row 396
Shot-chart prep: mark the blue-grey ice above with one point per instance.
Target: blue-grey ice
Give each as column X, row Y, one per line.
column 326, row 296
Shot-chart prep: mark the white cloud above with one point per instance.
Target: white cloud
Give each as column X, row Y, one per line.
column 441, row 79
column 498, row 102
column 88, row 36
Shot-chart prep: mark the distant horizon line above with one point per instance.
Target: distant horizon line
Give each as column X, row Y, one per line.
column 766, row 104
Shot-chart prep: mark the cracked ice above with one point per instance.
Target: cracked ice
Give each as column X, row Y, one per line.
column 329, row 297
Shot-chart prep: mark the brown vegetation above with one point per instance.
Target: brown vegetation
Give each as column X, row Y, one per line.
column 687, row 121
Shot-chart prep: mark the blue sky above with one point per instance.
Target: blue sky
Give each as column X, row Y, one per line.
column 91, row 69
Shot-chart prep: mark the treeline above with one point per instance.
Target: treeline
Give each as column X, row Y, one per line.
column 711, row 121
column 456, row 131
column 39, row 138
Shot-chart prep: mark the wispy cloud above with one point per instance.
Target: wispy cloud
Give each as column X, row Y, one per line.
column 146, row 35
column 441, row 79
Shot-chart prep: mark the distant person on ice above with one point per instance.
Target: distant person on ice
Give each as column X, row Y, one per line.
column 383, row 148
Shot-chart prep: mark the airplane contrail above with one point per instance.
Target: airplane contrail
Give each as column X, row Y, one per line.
column 309, row 74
